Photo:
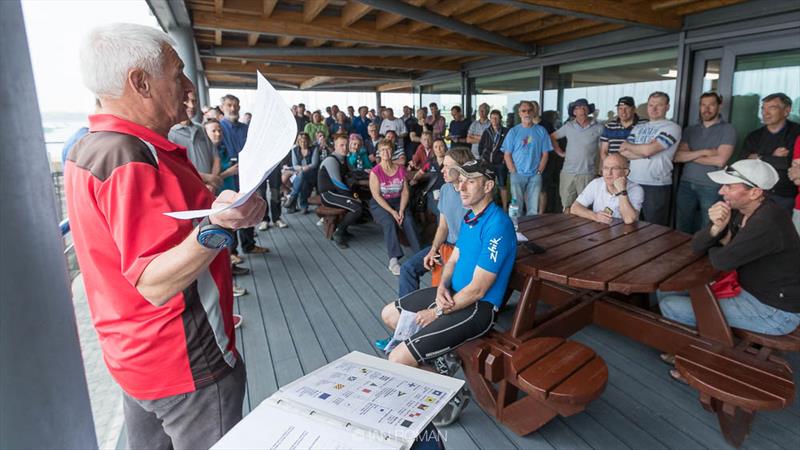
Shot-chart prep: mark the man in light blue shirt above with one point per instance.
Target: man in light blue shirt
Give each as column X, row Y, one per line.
column 525, row 151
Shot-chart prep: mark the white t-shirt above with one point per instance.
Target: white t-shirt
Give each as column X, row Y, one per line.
column 597, row 196
column 657, row 169
column 397, row 125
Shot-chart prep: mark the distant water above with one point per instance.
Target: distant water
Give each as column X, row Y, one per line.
column 57, row 128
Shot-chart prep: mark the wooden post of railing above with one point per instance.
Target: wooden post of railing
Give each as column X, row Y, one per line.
column 44, row 401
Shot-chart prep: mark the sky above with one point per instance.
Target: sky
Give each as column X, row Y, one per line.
column 55, row 30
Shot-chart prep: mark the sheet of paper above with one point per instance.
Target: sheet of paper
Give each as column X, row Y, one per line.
column 375, row 394
column 406, row 327
column 271, row 427
column 270, row 135
column 521, row 237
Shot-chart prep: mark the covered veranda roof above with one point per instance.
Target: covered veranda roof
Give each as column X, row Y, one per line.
column 383, row 45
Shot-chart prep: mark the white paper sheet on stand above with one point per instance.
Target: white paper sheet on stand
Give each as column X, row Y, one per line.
column 521, row 237
column 270, row 135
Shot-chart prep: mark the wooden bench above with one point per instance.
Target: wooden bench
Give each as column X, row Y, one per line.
column 735, row 385
column 537, row 381
column 786, row 343
column 332, row 217
column 314, row 200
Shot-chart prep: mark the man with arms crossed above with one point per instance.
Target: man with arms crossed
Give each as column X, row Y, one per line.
column 704, row 147
column 650, row 148
column 159, row 288
column 612, row 196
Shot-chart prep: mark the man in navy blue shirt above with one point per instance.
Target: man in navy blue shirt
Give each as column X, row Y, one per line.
column 474, row 279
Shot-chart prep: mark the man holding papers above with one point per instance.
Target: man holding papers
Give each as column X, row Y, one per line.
column 159, row 288
column 474, row 279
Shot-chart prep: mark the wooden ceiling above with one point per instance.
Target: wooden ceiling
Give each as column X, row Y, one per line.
column 383, row 44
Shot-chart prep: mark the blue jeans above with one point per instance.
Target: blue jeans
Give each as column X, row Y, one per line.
column 411, row 271
column 692, row 204
column 743, row 311
column 525, row 189
column 301, row 187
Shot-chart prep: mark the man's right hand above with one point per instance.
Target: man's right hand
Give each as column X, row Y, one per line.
column 781, row 152
column 720, row 215
column 603, row 217
column 243, row 216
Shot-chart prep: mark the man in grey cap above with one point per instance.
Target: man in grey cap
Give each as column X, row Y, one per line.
column 750, row 234
column 583, row 136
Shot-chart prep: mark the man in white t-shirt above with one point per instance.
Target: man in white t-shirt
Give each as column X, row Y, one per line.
column 390, row 122
column 612, row 196
column 650, row 148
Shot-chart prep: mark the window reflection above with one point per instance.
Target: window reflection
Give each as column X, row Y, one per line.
column 446, row 95
column 504, row 91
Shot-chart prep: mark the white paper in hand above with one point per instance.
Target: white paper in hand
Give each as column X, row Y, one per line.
column 270, row 135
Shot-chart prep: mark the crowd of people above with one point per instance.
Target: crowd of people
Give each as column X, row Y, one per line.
column 161, row 290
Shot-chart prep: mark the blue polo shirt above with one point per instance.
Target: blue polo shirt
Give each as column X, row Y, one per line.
column 234, row 135
column 490, row 243
column 526, row 146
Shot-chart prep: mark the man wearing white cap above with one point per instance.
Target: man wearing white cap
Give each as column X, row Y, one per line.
column 752, row 235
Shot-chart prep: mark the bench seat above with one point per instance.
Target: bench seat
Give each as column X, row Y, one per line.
column 786, row 343
column 332, row 218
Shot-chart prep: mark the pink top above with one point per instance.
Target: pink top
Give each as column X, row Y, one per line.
column 391, row 186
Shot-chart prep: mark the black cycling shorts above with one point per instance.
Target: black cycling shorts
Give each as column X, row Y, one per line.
column 447, row 332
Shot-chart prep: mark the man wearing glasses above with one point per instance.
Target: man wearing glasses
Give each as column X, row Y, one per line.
column 611, row 196
column 525, row 152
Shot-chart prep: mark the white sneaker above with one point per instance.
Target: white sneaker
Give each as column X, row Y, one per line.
column 394, row 266
column 263, row 226
column 239, row 291
column 281, row 224
column 321, row 222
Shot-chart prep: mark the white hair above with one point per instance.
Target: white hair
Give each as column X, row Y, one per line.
column 109, row 52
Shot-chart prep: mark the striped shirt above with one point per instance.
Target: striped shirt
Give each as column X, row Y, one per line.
column 615, row 133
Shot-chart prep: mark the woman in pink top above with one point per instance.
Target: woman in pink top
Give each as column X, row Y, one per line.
column 389, row 204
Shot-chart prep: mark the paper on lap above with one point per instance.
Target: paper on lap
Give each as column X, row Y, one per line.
column 407, row 326
column 270, row 135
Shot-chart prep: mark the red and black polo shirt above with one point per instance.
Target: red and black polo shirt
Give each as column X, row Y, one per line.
column 122, row 178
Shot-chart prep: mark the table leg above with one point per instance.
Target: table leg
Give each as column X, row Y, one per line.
column 525, row 314
column 711, row 323
column 734, row 422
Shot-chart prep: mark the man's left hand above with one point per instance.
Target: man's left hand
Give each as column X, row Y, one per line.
column 425, row 317
column 781, row 152
column 620, row 184
column 246, row 215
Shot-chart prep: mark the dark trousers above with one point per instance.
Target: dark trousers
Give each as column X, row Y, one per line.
column 274, row 183
column 389, row 225
column 656, row 204
column 348, row 202
column 692, row 203
column 186, row 421
column 411, row 271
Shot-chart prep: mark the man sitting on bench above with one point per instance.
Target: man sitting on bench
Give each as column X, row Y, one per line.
column 752, row 235
column 335, row 193
column 473, row 282
column 611, row 196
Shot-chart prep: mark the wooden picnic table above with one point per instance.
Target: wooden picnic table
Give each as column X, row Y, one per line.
column 586, row 274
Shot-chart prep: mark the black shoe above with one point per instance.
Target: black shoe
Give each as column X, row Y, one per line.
column 447, row 364
column 291, row 209
column 236, row 270
column 304, row 211
column 289, row 202
column 340, row 239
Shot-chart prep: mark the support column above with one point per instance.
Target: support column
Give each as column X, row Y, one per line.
column 45, row 401
column 378, row 104
column 202, row 89
column 185, row 39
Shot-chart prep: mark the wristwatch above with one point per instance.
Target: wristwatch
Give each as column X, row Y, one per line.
column 624, row 193
column 439, row 311
column 214, row 236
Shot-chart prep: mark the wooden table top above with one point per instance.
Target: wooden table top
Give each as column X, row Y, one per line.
column 639, row 257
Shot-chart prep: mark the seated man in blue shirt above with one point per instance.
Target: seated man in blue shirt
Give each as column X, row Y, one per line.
column 474, row 279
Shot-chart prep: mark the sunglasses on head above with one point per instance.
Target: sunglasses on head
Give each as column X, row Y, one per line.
column 737, row 174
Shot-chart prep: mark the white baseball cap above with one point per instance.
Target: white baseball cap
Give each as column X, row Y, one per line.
column 752, row 172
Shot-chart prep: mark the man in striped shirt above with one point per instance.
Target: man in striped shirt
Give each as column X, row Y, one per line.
column 616, row 131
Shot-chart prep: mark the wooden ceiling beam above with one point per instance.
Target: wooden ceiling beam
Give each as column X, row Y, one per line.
column 315, row 43
column 413, row 63
column 386, row 19
column 252, row 38
column 217, row 37
column 353, row 11
column 218, row 6
column 304, row 71
column 313, row 81
column 610, row 11
column 267, row 7
column 285, row 41
column 288, row 23
column 312, row 8
column 657, row 6
column 446, row 8
column 394, row 86
column 538, row 25
column 582, row 32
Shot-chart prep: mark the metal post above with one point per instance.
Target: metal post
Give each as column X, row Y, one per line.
column 202, row 89
column 45, row 401
column 378, row 104
column 184, row 38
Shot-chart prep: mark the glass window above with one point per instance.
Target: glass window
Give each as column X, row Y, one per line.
column 755, row 77
column 711, row 75
column 396, row 101
column 603, row 81
column 504, row 91
column 446, row 95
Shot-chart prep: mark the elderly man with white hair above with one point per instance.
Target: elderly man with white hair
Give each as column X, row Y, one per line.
column 159, row 288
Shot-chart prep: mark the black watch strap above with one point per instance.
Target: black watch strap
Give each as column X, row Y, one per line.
column 624, row 193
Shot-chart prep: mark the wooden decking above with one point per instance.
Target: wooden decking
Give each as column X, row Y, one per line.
column 311, row 303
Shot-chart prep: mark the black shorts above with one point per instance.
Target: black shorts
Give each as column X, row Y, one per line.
column 449, row 331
